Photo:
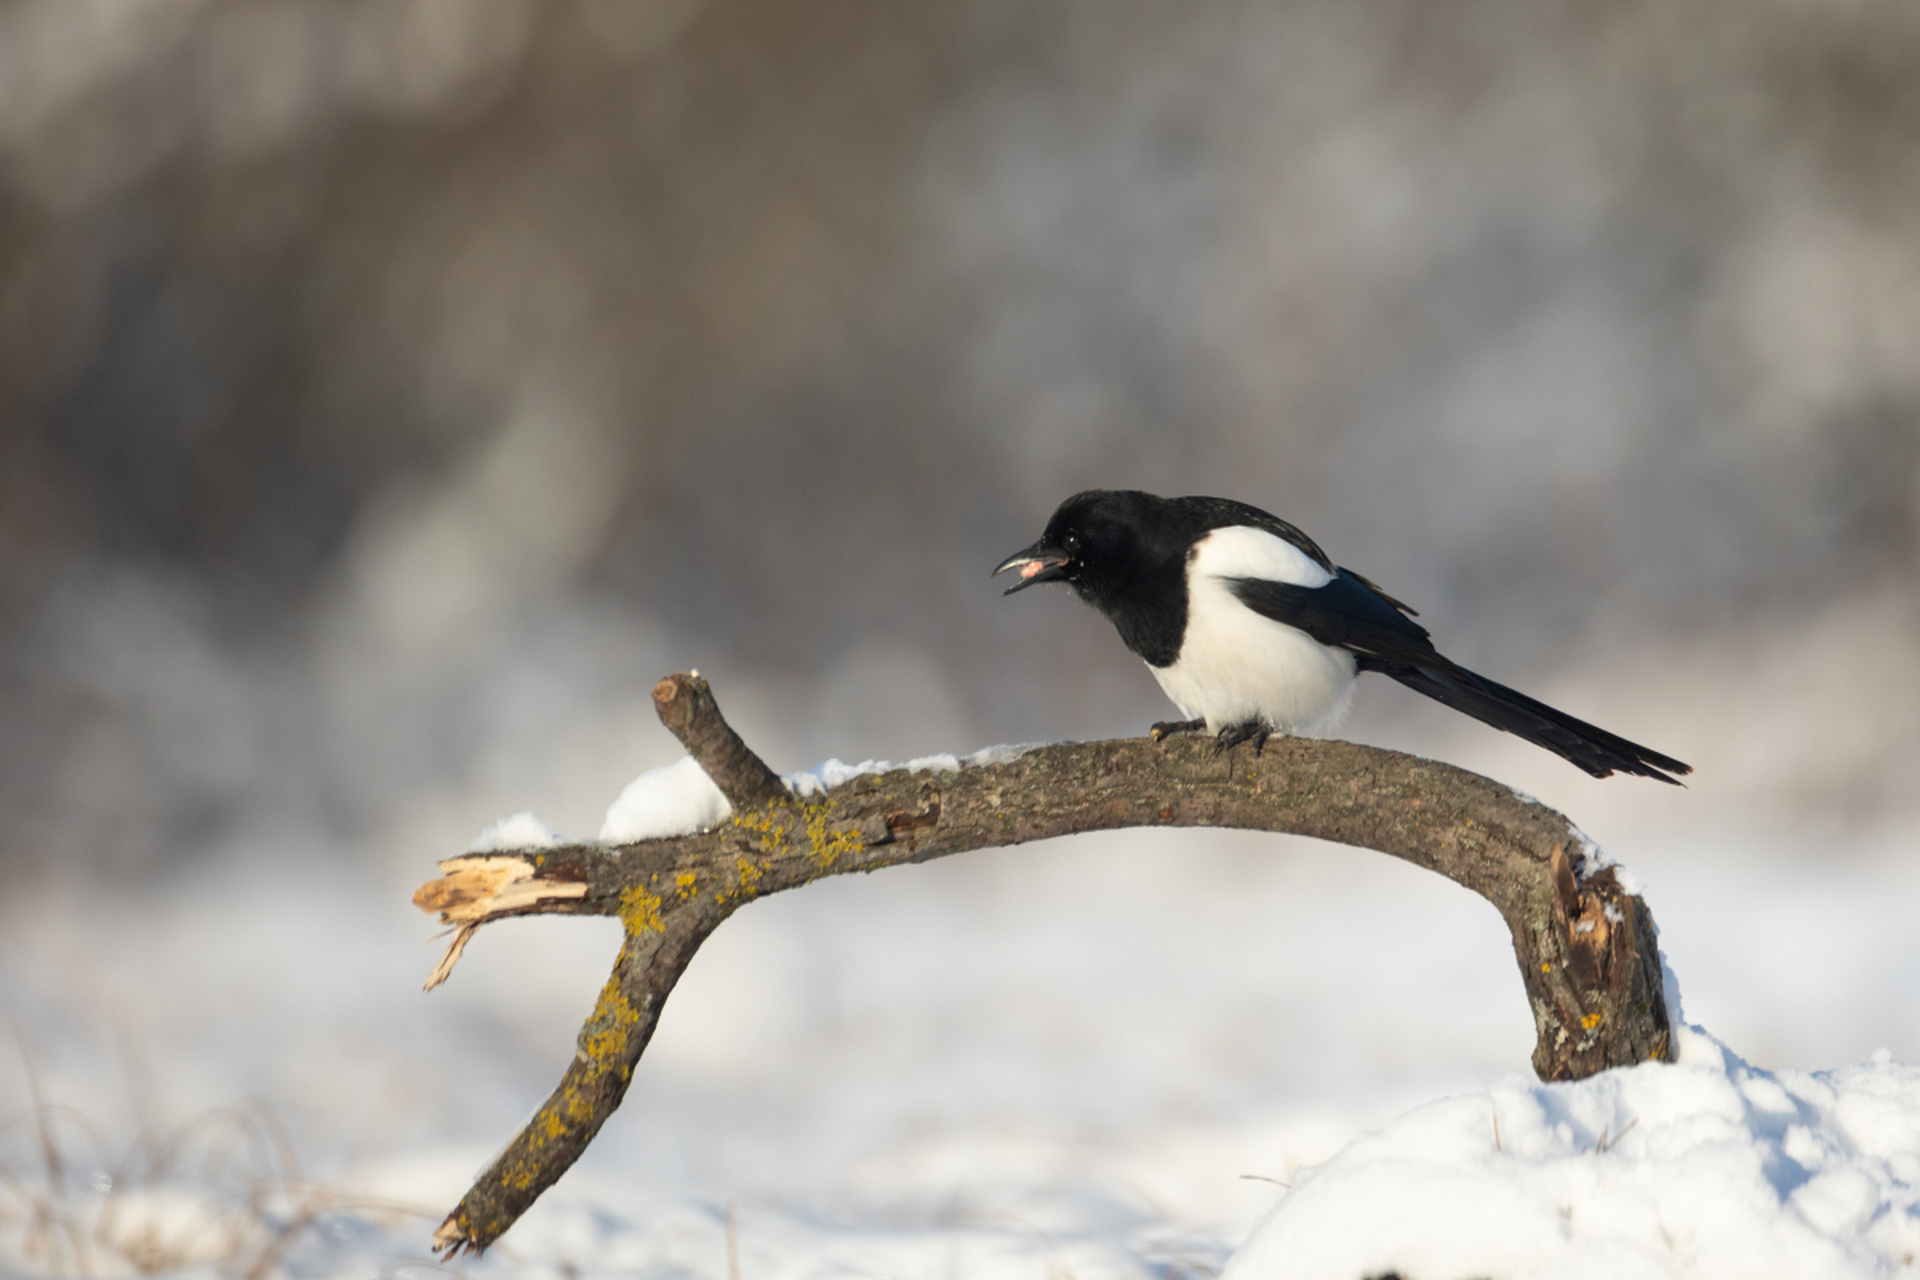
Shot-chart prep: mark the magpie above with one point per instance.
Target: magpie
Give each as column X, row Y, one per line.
column 1252, row 630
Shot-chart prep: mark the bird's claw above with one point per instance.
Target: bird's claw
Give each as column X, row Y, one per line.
column 1164, row 729
column 1235, row 734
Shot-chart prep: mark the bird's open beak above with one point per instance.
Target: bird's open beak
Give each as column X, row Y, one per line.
column 1038, row 563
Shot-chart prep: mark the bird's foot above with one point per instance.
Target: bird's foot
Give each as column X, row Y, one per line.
column 1164, row 729
column 1235, row 734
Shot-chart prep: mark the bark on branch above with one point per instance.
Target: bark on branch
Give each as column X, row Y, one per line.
column 1586, row 948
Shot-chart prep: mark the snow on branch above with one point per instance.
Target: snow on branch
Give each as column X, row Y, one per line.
column 1585, row 945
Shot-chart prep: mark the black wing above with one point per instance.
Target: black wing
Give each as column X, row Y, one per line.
column 1350, row 613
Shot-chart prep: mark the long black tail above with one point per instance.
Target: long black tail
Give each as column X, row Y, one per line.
column 1590, row 747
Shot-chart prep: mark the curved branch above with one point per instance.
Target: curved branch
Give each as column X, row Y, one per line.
column 1586, row 947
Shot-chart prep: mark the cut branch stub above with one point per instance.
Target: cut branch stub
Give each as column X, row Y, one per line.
column 686, row 706
column 1586, row 949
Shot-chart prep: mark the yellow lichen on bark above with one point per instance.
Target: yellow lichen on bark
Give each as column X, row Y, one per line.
column 746, row 883
column 826, row 843
column 610, row 1026
column 640, row 911
column 763, row 828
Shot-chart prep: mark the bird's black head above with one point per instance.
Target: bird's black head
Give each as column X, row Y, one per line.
column 1102, row 543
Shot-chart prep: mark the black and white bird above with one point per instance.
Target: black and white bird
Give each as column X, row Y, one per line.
column 1251, row 630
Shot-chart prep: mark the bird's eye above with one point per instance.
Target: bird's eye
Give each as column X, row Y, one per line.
column 1071, row 544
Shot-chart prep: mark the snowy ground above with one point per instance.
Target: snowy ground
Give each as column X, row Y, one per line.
column 1027, row 1063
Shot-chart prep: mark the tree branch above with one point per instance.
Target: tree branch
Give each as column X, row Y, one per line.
column 1586, row 948
column 685, row 705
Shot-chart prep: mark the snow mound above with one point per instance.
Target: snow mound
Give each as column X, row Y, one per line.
column 673, row 800
column 521, row 831
column 1705, row 1167
column 619, row 1231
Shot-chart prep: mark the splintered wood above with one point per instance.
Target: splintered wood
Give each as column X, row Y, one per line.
column 477, row 889
column 1583, row 910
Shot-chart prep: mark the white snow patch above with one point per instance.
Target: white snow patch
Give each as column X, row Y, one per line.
column 521, row 831
column 828, row 774
column 1706, row 1166
column 832, row 773
column 1594, row 860
column 674, row 800
column 1005, row 753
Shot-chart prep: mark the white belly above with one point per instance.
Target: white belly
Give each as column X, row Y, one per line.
column 1236, row 666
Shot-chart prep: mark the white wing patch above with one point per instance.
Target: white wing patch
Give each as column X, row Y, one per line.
column 1245, row 552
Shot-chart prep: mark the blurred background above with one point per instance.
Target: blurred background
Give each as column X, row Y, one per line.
column 392, row 390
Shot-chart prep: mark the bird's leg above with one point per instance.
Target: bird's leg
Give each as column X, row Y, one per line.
column 1164, row 729
column 1235, row 734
